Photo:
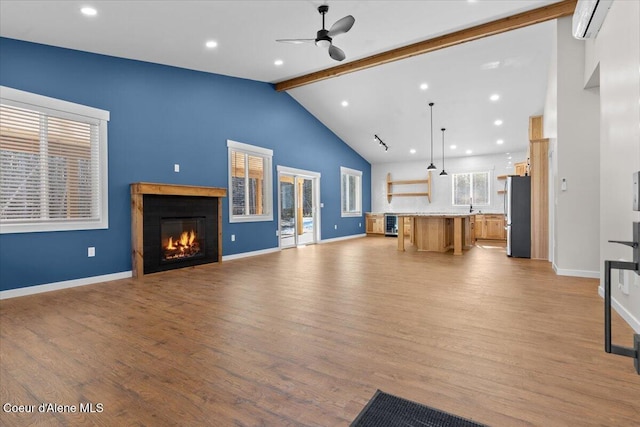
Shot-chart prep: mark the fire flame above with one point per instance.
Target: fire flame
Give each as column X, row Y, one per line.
column 185, row 240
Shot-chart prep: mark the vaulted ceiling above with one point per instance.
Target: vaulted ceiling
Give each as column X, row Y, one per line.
column 386, row 100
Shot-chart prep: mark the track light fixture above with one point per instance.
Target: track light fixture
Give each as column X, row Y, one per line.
column 431, row 166
column 381, row 142
column 443, row 173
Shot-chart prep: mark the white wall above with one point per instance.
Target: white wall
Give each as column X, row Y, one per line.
column 571, row 123
column 441, row 197
column 576, row 151
column 617, row 51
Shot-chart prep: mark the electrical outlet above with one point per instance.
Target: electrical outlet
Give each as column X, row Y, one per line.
column 277, row 233
column 335, row 227
column 91, row 251
column 359, row 224
column 233, row 237
column 176, row 168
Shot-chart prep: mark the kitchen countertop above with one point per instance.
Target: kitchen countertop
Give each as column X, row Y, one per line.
column 435, row 213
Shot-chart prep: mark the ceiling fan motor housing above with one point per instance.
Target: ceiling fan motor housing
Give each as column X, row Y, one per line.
column 323, row 39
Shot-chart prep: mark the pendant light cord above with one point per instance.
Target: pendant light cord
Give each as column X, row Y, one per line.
column 431, row 108
column 443, row 173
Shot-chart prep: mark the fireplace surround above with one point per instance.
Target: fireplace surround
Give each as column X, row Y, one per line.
column 174, row 226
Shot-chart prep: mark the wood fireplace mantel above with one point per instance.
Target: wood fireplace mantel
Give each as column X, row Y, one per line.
column 139, row 189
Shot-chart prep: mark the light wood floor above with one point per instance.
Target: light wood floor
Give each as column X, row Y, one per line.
column 305, row 337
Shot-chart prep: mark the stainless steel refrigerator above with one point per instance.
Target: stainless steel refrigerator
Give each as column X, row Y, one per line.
column 518, row 216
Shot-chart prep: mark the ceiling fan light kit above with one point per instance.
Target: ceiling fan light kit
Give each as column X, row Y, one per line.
column 324, row 37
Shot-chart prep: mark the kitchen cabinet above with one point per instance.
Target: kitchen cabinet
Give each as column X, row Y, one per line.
column 490, row 226
column 495, row 227
column 407, row 226
column 479, row 227
column 374, row 224
column 521, row 168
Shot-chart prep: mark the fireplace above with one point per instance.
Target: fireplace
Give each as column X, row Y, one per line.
column 175, row 226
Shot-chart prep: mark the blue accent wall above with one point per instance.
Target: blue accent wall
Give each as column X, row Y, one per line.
column 160, row 116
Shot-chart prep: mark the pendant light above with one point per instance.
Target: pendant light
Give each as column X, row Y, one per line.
column 443, row 173
column 431, row 166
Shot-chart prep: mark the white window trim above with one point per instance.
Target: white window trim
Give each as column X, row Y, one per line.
column 348, row 171
column 267, row 154
column 453, row 188
column 64, row 109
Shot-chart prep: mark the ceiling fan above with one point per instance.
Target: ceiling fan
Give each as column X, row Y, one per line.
column 324, row 38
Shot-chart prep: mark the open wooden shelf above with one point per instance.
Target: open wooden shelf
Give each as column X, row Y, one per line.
column 502, row 177
column 391, row 183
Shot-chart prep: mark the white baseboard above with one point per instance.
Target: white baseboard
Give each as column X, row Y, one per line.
column 249, row 254
column 337, row 239
column 576, row 273
column 30, row 290
column 271, row 250
column 623, row 312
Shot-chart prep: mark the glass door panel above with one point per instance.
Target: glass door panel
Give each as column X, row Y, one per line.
column 306, row 211
column 298, row 216
column 287, row 211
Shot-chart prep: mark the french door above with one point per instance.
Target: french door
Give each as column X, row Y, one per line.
column 298, row 194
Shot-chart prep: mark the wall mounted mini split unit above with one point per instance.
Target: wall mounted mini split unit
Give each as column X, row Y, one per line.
column 588, row 17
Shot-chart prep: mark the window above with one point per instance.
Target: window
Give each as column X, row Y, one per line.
column 471, row 189
column 250, row 183
column 53, row 164
column 351, row 192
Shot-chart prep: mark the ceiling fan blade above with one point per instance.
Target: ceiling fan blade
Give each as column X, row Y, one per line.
column 342, row 26
column 296, row 41
column 336, row 53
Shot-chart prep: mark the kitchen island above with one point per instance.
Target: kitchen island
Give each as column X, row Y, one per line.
column 437, row 232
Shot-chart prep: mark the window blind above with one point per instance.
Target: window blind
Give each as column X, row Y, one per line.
column 49, row 167
column 250, row 182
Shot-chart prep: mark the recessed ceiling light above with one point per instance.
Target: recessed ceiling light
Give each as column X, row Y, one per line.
column 424, row 86
column 211, row 44
column 345, row 103
column 453, row 147
column 509, row 162
column 412, row 151
column 278, row 62
column 494, row 97
column 89, row 11
column 490, row 65
column 500, row 141
column 498, row 122
column 509, row 157
column 468, row 151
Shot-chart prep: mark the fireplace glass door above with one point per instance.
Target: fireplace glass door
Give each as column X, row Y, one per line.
column 182, row 238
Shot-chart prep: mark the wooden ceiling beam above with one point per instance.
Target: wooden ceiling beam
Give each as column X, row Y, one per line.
column 520, row 20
